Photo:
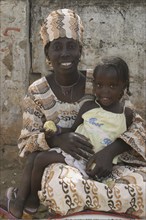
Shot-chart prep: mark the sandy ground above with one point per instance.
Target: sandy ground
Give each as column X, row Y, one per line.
column 10, row 173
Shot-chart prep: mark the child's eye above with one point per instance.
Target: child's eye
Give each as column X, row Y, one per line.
column 112, row 86
column 98, row 85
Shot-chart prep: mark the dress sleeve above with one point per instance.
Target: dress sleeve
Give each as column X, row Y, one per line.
column 31, row 138
column 135, row 136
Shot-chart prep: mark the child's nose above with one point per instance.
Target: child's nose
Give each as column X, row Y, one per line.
column 105, row 90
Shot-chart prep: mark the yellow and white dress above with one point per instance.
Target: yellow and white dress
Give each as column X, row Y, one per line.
column 102, row 128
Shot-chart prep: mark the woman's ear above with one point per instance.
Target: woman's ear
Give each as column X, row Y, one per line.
column 80, row 50
column 46, row 50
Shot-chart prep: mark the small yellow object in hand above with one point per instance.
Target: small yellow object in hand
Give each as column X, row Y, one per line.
column 50, row 126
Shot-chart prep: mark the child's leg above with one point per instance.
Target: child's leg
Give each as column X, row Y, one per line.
column 42, row 160
column 17, row 206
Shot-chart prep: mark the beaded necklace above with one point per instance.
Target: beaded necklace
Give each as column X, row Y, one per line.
column 68, row 90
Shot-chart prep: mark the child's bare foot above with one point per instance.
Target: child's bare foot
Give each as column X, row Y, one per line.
column 14, row 205
column 32, row 204
column 16, row 208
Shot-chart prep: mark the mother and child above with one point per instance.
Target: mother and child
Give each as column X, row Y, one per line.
column 96, row 158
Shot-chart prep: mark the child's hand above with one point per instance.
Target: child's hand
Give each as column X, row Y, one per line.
column 99, row 165
column 49, row 129
column 49, row 133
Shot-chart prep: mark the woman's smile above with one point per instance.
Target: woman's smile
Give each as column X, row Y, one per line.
column 66, row 65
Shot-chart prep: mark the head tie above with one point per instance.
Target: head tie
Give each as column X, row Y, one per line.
column 62, row 23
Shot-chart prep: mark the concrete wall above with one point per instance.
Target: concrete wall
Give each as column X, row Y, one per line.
column 14, row 67
column 111, row 28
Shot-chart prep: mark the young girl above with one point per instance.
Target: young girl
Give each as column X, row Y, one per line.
column 101, row 120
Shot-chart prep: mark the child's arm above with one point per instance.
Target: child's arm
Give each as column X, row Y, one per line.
column 59, row 130
column 85, row 107
column 129, row 116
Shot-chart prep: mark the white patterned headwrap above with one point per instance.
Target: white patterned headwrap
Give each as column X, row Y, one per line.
column 62, row 23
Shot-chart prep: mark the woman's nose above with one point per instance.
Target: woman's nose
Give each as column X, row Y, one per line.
column 64, row 51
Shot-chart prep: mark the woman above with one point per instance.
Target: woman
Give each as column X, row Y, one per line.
column 58, row 97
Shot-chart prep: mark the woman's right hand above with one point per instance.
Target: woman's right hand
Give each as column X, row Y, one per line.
column 72, row 143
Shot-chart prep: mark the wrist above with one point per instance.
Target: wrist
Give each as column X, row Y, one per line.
column 58, row 130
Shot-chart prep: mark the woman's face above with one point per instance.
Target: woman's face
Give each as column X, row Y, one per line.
column 64, row 54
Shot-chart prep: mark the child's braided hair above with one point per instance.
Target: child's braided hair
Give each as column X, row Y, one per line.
column 119, row 65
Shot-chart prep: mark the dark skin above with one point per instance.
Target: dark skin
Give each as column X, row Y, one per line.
column 68, row 51
column 113, row 90
column 64, row 54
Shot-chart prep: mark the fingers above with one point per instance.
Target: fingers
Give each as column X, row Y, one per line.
column 86, row 148
column 82, row 136
column 93, row 170
column 76, row 156
column 99, row 176
column 83, row 143
column 79, row 153
column 90, row 164
column 42, row 130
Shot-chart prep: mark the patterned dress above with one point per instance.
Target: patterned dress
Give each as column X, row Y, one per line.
column 64, row 190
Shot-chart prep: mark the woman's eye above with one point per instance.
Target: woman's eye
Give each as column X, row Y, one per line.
column 57, row 47
column 71, row 46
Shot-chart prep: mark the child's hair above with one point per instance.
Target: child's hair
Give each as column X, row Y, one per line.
column 120, row 67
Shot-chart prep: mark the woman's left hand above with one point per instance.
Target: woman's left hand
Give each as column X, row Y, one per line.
column 100, row 164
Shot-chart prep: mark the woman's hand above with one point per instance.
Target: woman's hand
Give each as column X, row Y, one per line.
column 72, row 143
column 100, row 164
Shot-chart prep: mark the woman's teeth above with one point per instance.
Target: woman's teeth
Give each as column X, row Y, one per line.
column 65, row 64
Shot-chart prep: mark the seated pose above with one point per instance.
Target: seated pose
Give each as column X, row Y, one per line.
column 60, row 97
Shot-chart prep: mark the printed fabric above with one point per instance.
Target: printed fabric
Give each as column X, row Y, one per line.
column 64, row 190
column 40, row 105
column 62, row 23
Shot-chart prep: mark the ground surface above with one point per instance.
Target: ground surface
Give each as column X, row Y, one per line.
column 10, row 173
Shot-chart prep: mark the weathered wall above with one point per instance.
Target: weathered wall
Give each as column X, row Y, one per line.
column 14, row 67
column 111, row 28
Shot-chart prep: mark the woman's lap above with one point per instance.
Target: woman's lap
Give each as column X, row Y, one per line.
column 65, row 191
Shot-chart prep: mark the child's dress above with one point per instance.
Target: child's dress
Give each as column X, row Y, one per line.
column 102, row 128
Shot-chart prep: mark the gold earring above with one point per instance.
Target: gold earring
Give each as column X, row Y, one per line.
column 49, row 64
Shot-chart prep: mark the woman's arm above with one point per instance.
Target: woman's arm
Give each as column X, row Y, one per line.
column 135, row 137
column 31, row 137
column 129, row 116
column 61, row 130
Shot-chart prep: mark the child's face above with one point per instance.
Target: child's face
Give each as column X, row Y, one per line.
column 107, row 87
